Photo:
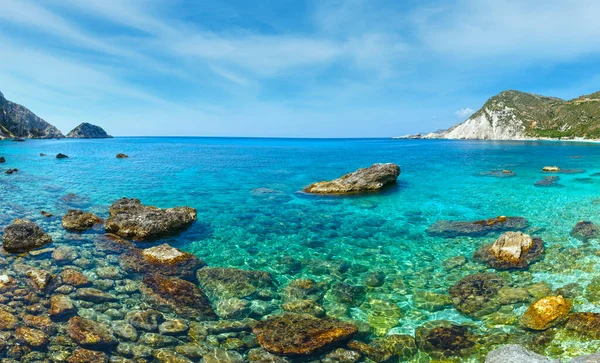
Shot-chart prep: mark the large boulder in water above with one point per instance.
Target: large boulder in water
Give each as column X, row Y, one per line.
column 162, row 259
column 512, row 250
column 546, row 313
column 482, row 227
column 129, row 218
column 23, row 236
column 295, row 334
column 79, row 221
column 177, row 295
column 368, row 179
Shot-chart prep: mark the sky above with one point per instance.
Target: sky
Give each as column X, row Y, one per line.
column 289, row 68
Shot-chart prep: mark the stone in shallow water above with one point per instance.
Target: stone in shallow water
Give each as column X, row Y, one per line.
column 72, row 277
column 347, row 294
column 444, row 339
column 342, row 355
column 173, row 327
column 129, row 218
column 94, row 295
column 362, row 180
column 87, row 356
column 476, row 294
column 219, row 355
column 156, row 340
column 177, row 295
column 162, row 259
column 450, row 229
column 7, row 320
column 515, row 353
column 79, row 221
column 585, row 230
column 64, row 254
column 586, row 324
column 23, row 236
column 398, row 347
column 512, row 250
column 61, row 306
column 303, row 289
column 90, row 334
column 546, row 312
column 431, row 301
column 224, row 283
column 124, row 330
column 40, row 322
column 112, row 243
column 39, row 278
column 32, row 337
column 304, row 307
column 549, row 181
column 382, row 315
column 233, row 308
column 147, row 320
column 294, row 334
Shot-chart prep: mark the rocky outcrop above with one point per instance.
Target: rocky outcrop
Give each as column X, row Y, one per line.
column 79, row 221
column 368, row 179
column 23, row 236
column 162, row 259
column 546, row 313
column 88, row 131
column 17, row 121
column 129, row 218
column 512, row 250
column 450, row 229
column 295, row 334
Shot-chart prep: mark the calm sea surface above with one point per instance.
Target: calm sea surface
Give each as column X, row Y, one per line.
column 252, row 215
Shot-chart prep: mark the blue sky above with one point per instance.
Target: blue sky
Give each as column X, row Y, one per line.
column 294, row 68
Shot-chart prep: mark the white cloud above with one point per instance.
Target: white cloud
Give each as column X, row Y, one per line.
column 464, row 112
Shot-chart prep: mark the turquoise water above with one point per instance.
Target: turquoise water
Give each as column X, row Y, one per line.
column 251, row 213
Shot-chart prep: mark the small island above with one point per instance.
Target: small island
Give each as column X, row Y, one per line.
column 88, row 131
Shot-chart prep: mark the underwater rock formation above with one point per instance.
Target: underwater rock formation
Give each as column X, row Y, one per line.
column 225, row 283
column 585, row 230
column 79, row 221
column 129, row 218
column 585, row 324
column 548, row 181
column 476, row 294
column 444, row 339
column 177, row 295
column 368, row 179
column 90, row 334
column 23, row 236
column 162, row 259
column 450, row 229
column 296, row 334
column 512, row 250
column 546, row 312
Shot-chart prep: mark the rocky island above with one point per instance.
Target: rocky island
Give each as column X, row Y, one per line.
column 17, row 122
column 88, row 131
column 515, row 115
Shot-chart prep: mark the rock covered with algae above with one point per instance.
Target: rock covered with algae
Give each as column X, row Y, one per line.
column 512, row 250
column 297, row 334
column 23, row 236
column 444, row 339
column 546, row 312
column 224, row 283
column 477, row 294
column 585, row 324
column 362, row 180
column 393, row 347
column 79, row 221
column 585, row 230
column 162, row 259
column 129, row 218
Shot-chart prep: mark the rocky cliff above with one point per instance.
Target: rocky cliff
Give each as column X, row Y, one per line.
column 514, row 115
column 88, row 131
column 18, row 121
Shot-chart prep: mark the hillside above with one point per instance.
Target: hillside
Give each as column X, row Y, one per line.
column 18, row 121
column 515, row 115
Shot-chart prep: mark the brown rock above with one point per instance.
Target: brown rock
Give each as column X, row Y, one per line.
column 546, row 312
column 73, row 278
column 112, row 243
column 477, row 294
column 444, row 339
column 368, row 179
column 87, row 356
column 7, row 320
column 162, row 259
column 177, row 295
column 122, row 156
column 294, row 334
column 61, row 306
column 23, row 236
column 31, row 337
column 585, row 324
column 90, row 334
column 225, row 283
column 40, row 278
column 512, row 250
column 79, row 221
column 129, row 218
column 40, row 322
column 94, row 295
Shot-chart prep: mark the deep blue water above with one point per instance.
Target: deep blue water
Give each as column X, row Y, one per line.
column 251, row 213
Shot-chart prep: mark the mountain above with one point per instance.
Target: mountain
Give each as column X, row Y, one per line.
column 88, row 131
column 18, row 121
column 515, row 115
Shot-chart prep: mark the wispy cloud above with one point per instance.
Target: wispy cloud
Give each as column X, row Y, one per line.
column 464, row 112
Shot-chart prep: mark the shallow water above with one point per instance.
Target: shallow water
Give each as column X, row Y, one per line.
column 251, row 213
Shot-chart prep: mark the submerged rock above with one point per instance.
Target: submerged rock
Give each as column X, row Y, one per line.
column 294, row 334
column 79, row 221
column 499, row 173
column 368, row 179
column 23, row 236
column 549, row 181
column 476, row 294
column 585, row 324
column 225, row 283
column 514, row 353
column 585, row 230
column 61, row 156
column 122, row 156
column 451, row 229
column 129, row 218
column 32, row 337
column 90, row 334
column 87, row 356
column 162, row 259
column 546, row 312
column 112, row 243
column 444, row 339
column 392, row 348
column 512, row 250
column 177, row 295
column 61, row 306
